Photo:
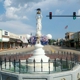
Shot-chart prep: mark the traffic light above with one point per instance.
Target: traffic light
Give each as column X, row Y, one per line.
column 74, row 15
column 50, row 15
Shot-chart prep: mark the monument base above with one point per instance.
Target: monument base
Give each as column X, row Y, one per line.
column 40, row 68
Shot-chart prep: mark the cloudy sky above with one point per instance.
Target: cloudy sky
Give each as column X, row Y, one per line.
column 18, row 16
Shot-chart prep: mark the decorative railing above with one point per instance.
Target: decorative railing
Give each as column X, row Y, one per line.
column 62, row 64
column 18, row 63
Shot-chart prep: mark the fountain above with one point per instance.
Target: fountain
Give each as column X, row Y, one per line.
column 39, row 53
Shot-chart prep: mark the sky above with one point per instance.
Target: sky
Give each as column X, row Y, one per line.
column 18, row 16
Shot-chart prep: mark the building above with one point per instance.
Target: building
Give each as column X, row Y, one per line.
column 72, row 39
column 14, row 40
column 77, row 39
column 10, row 40
column 61, row 42
column 69, row 39
column 58, row 41
column 24, row 40
column 4, row 39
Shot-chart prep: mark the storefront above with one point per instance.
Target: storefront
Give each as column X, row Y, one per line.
column 24, row 42
column 5, row 43
column 72, row 43
column 14, row 40
column 5, row 40
column 18, row 43
column 10, row 40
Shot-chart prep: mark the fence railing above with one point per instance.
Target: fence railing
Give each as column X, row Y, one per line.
column 22, row 67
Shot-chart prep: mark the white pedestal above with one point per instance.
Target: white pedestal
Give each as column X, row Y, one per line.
column 38, row 68
column 39, row 55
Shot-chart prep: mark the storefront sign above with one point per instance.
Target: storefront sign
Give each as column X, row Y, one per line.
column 5, row 39
column 5, row 33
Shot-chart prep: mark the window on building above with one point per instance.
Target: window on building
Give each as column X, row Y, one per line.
column 6, row 33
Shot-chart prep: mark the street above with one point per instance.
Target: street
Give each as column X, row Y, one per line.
column 25, row 50
column 53, row 52
column 49, row 48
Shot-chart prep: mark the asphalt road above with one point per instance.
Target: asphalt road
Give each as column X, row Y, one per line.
column 47, row 48
column 27, row 50
column 50, row 50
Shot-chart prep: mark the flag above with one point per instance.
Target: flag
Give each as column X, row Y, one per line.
column 66, row 27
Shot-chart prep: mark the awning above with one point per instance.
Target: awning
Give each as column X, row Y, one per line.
column 12, row 40
column 18, row 40
column 15, row 40
column 25, row 41
column 72, row 41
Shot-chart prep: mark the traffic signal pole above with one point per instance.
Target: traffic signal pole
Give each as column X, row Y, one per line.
column 63, row 16
column 74, row 15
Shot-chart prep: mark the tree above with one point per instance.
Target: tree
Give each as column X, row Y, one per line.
column 51, row 41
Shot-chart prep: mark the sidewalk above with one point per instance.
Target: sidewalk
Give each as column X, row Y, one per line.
column 71, row 48
column 14, row 49
column 6, row 49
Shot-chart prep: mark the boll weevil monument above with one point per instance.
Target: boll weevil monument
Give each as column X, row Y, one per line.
column 39, row 53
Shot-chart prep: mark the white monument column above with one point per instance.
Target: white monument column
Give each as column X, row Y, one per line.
column 39, row 53
column 39, row 25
